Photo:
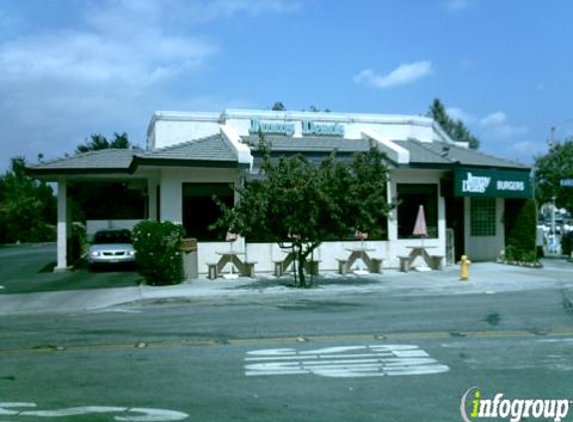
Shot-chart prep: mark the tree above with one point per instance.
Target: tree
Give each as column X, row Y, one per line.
column 303, row 205
column 521, row 241
column 550, row 169
column 278, row 106
column 99, row 142
column 27, row 207
column 455, row 128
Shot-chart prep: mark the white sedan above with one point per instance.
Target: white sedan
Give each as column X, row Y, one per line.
column 111, row 247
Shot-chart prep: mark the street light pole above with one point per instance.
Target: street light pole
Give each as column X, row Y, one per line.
column 554, row 128
column 553, row 215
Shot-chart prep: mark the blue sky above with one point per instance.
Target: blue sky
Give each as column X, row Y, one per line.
column 70, row 68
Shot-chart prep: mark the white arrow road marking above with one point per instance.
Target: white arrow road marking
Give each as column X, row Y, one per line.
column 140, row 414
column 153, row 415
column 116, row 311
column 344, row 362
column 4, row 407
column 72, row 411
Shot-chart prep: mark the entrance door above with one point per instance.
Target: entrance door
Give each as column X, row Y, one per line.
column 455, row 221
column 200, row 210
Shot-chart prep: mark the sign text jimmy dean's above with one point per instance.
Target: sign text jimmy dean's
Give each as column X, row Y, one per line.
column 308, row 128
column 494, row 183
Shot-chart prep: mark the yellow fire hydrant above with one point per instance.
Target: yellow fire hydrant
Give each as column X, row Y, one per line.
column 464, row 268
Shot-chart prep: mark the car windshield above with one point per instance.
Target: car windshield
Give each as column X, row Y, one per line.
column 118, row 236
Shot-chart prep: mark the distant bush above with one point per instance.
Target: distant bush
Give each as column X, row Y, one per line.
column 157, row 252
column 79, row 242
column 521, row 242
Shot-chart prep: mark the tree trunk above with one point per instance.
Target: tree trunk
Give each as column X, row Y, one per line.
column 300, row 258
column 302, row 278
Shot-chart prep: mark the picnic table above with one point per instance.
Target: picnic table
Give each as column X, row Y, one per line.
column 432, row 261
column 373, row 265
column 243, row 267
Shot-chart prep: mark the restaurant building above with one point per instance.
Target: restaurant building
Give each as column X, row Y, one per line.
column 190, row 157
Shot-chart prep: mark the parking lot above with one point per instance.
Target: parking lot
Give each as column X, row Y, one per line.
column 28, row 269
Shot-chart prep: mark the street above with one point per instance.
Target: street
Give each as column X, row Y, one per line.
column 359, row 357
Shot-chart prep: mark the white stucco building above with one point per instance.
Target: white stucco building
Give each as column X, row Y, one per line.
column 192, row 156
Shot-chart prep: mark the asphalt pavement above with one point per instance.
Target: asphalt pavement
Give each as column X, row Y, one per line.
column 389, row 347
column 361, row 356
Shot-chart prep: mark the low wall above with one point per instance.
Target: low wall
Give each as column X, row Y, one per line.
column 328, row 253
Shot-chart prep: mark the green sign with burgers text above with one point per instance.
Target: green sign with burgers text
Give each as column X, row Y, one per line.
column 492, row 183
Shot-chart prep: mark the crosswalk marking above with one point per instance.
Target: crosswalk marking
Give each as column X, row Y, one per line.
column 343, row 361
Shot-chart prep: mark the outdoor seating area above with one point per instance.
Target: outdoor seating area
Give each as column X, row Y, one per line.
column 357, row 257
column 243, row 268
column 360, row 256
column 434, row 262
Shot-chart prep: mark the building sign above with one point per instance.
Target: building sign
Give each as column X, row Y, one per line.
column 566, row 183
column 274, row 128
column 312, row 128
column 308, row 128
column 492, row 183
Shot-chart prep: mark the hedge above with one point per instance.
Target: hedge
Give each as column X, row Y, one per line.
column 157, row 253
column 521, row 242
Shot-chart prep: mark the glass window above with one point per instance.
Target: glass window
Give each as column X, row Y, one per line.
column 482, row 216
column 410, row 197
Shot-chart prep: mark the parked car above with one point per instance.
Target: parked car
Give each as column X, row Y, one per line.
column 111, row 247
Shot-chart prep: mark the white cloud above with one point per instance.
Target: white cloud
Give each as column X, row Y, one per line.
column 131, row 41
column 459, row 114
column 494, row 126
column 216, row 8
column 494, row 119
column 527, row 147
column 122, row 42
column 524, row 151
column 505, row 131
column 402, row 75
column 107, row 70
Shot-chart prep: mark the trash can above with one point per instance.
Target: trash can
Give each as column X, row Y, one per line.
column 188, row 248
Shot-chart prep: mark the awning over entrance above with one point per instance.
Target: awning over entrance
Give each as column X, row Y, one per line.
column 492, row 183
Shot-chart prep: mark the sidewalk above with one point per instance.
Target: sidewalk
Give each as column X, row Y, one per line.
column 485, row 278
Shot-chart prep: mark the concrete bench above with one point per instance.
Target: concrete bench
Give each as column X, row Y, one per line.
column 404, row 263
column 376, row 265
column 437, row 262
column 342, row 266
column 213, row 273
column 311, row 267
column 279, row 268
column 249, row 269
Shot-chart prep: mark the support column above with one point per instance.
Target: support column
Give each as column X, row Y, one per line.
column 63, row 227
column 151, row 200
column 392, row 193
column 171, row 200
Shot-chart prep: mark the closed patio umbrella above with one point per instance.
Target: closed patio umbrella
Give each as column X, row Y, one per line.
column 420, row 228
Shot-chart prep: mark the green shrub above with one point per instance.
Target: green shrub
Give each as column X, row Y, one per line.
column 79, row 242
column 567, row 244
column 157, row 252
column 521, row 242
